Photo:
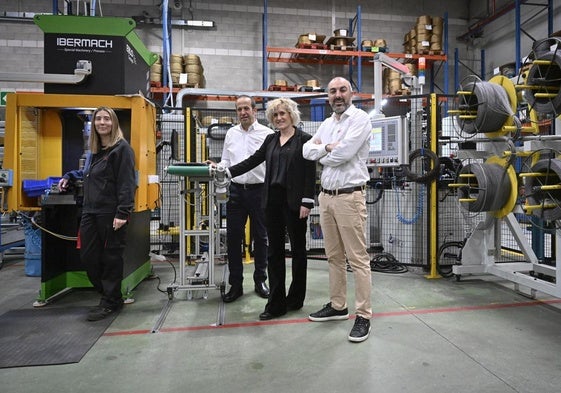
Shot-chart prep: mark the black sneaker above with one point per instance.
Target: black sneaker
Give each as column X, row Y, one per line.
column 360, row 330
column 98, row 313
column 328, row 313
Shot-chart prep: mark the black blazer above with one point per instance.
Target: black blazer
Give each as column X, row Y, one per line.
column 301, row 173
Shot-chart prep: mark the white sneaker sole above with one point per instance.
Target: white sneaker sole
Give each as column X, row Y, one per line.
column 360, row 339
column 333, row 318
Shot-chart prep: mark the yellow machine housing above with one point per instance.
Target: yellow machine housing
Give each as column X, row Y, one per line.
column 45, row 138
column 33, row 146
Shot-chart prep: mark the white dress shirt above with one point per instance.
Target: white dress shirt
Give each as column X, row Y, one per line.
column 239, row 144
column 345, row 165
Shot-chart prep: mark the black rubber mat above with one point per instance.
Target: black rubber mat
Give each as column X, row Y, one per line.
column 47, row 336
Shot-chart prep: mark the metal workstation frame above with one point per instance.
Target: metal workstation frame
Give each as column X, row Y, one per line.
column 45, row 140
column 200, row 198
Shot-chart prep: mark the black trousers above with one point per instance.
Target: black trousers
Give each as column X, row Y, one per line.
column 101, row 250
column 241, row 204
column 280, row 220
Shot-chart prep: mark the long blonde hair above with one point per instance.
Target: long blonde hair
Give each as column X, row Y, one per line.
column 116, row 132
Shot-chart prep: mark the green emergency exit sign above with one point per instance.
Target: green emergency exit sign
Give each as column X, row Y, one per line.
column 4, row 97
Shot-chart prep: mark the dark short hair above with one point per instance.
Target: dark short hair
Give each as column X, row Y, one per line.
column 253, row 103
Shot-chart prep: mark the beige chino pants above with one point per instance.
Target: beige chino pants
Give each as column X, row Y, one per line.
column 343, row 223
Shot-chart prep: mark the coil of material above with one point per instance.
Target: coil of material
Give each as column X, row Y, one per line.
column 536, row 196
column 544, row 46
column 194, row 78
column 424, row 20
column 545, row 78
column 190, row 58
column 421, row 159
column 491, row 188
column 491, row 102
column 194, row 68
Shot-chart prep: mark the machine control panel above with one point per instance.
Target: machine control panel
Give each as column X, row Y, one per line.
column 389, row 142
column 6, row 178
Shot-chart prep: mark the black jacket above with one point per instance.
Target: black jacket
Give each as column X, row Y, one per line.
column 109, row 181
column 301, row 178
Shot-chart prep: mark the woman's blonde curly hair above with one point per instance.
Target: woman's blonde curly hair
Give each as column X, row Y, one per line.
column 285, row 103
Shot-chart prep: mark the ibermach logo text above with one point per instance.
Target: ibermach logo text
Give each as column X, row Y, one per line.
column 89, row 45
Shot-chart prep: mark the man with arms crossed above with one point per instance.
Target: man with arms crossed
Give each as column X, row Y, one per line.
column 341, row 145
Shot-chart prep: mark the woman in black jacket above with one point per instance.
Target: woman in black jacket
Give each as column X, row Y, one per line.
column 109, row 184
column 288, row 197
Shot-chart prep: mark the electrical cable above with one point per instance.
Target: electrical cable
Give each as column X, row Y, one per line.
column 376, row 185
column 387, row 263
column 425, row 155
column 490, row 102
column 492, row 188
column 551, row 168
column 518, row 133
column 445, row 270
column 174, row 278
column 63, row 237
column 545, row 74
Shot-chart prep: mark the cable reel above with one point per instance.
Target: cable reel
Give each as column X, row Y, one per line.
column 542, row 187
column 486, row 107
column 487, row 187
column 543, row 79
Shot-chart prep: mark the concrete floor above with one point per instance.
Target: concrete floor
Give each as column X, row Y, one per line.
column 476, row 335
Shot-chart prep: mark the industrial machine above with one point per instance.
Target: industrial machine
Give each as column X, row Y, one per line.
column 403, row 167
column 88, row 62
column 511, row 181
column 46, row 139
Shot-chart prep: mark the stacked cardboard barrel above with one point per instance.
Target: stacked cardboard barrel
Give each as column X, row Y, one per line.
column 189, row 64
column 425, row 37
column 156, row 73
column 176, row 67
column 392, row 81
column 194, row 70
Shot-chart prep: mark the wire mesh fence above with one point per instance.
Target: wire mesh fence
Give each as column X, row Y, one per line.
column 399, row 224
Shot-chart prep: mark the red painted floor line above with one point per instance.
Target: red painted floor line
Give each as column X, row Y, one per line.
column 493, row 306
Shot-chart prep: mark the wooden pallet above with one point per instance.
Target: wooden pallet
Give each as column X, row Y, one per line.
column 342, row 47
column 190, row 85
column 401, row 92
column 312, row 46
column 430, row 52
column 282, row 88
column 379, row 49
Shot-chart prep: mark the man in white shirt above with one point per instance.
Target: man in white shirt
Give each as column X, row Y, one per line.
column 341, row 145
column 246, row 190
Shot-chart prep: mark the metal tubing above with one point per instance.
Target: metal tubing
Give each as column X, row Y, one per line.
column 189, row 170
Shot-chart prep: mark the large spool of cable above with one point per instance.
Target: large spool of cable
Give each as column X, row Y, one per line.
column 544, row 76
column 488, row 188
column 491, row 104
column 543, row 190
